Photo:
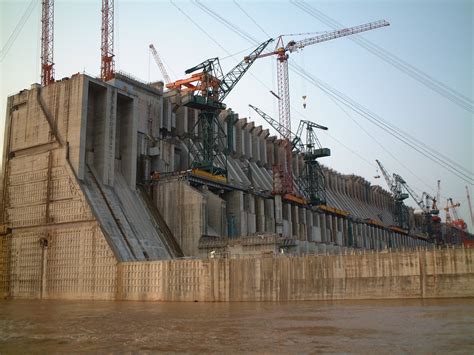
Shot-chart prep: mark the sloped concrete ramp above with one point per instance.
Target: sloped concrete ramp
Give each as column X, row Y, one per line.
column 132, row 230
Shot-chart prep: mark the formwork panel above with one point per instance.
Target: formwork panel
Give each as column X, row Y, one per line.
column 26, row 216
column 26, row 264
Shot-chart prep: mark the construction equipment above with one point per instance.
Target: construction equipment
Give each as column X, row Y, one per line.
column 206, row 91
column 47, row 42
column 283, row 182
column 434, row 206
column 107, row 67
column 312, row 178
column 470, row 207
column 311, row 182
column 282, row 51
column 455, row 221
column 160, row 64
column 395, row 184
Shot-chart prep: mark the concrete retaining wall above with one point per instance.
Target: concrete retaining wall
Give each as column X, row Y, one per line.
column 414, row 274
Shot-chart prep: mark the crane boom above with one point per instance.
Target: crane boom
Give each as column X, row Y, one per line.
column 160, row 64
column 282, row 52
column 235, row 74
column 294, row 46
column 385, row 174
column 295, row 139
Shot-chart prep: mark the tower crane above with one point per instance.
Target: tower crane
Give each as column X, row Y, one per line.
column 206, row 91
column 160, row 64
column 107, row 67
column 395, row 185
column 282, row 51
column 47, row 42
column 311, row 182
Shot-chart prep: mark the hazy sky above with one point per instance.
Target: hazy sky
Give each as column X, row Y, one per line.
column 434, row 36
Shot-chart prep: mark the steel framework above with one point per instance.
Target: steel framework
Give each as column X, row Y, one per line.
column 107, row 67
column 47, row 42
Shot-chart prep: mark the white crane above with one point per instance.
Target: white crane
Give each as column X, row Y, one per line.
column 160, row 64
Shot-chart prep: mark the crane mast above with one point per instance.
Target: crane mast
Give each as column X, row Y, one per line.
column 281, row 52
column 107, row 67
column 158, row 61
column 47, row 42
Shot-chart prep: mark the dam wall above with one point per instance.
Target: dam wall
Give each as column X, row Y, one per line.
column 355, row 275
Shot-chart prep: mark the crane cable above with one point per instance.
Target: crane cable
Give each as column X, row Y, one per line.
column 415, row 73
column 16, row 31
column 376, row 120
column 391, row 129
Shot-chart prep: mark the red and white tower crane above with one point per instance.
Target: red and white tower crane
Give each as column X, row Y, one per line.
column 160, row 64
column 47, row 42
column 282, row 52
column 107, row 67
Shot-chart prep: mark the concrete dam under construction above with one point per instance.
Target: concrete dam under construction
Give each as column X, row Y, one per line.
column 116, row 189
column 100, row 201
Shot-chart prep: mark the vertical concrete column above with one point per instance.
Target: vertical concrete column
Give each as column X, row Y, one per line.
column 278, row 214
column 317, row 230
column 260, row 212
column 270, row 145
column 295, row 220
column 255, row 132
column 303, row 234
column 333, row 229
column 339, row 235
column 240, row 138
column 248, row 143
column 128, row 111
column 309, row 225
column 345, row 231
column 263, row 147
column 269, row 215
column 287, row 221
column 236, row 215
column 249, row 200
column 181, row 120
column 322, row 219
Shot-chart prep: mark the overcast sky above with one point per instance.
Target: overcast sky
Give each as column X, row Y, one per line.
column 434, row 36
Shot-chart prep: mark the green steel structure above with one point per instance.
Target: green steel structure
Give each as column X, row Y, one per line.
column 208, row 150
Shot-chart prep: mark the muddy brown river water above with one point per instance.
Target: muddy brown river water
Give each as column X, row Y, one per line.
column 388, row 326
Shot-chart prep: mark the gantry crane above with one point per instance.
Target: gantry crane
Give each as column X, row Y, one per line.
column 107, row 67
column 395, row 184
column 311, row 182
column 160, row 64
column 282, row 53
column 206, row 91
column 47, row 42
column 312, row 178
